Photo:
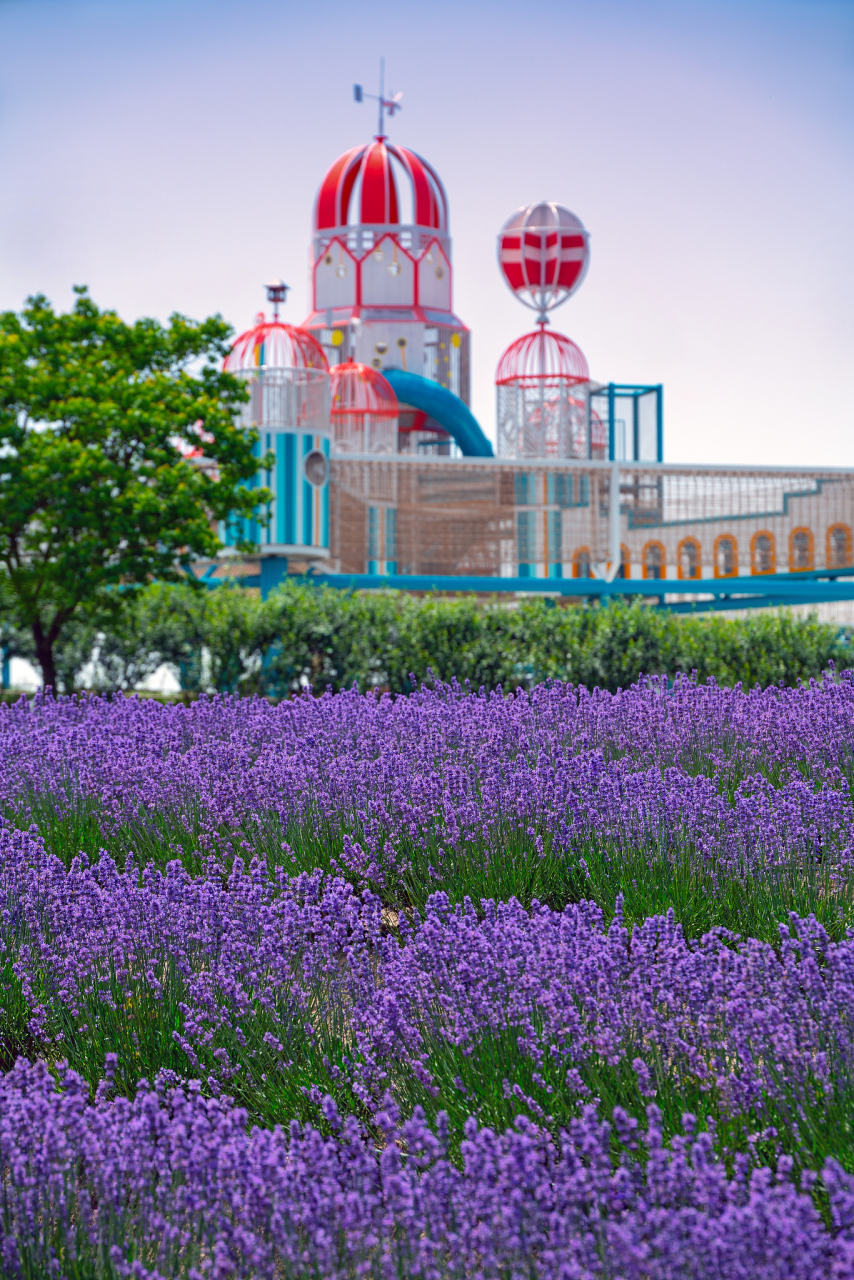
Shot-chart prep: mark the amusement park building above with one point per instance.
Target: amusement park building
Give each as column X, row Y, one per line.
column 380, row 472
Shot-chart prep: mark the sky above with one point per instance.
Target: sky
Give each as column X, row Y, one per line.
column 167, row 155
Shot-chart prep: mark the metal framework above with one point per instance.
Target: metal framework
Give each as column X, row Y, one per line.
column 551, row 524
column 632, row 416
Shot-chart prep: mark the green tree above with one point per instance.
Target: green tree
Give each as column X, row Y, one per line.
column 97, row 496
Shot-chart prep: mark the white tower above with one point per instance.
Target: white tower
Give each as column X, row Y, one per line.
column 382, row 277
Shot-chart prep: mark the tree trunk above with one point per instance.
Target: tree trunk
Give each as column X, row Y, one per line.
column 44, row 655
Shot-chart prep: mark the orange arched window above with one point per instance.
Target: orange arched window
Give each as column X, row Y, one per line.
column 689, row 562
column 839, row 550
column 625, row 569
column 726, row 556
column 763, row 552
column 653, row 560
column 801, row 550
column 582, row 565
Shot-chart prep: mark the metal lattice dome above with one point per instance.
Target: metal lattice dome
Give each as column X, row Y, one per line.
column 357, row 388
column 273, row 345
column 542, row 389
column 542, row 354
column 287, row 374
column 365, row 410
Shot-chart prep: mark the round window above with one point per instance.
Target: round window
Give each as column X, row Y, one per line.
column 316, row 468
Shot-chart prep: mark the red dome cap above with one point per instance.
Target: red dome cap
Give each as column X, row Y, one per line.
column 542, row 354
column 273, row 345
column 378, row 196
column 358, row 389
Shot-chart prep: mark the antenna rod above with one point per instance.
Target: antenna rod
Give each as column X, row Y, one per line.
column 383, row 105
column 382, row 95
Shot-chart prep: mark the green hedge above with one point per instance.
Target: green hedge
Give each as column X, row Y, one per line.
column 230, row 641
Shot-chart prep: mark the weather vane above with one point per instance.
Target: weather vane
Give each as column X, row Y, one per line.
column 389, row 105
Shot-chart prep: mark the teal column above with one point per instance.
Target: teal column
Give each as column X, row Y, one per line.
column 307, row 498
column 324, row 497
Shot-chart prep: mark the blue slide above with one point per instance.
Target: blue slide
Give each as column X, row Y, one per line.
column 447, row 409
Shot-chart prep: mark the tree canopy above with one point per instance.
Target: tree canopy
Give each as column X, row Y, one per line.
column 99, row 491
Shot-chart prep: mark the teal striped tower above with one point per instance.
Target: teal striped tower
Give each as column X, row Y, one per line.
column 288, row 405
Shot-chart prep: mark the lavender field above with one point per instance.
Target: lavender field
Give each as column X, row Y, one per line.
column 559, row 984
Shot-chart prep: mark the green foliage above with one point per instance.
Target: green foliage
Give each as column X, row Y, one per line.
column 95, row 494
column 331, row 639
column 228, row 640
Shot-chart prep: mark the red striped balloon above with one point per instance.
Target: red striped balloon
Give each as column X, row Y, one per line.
column 543, row 252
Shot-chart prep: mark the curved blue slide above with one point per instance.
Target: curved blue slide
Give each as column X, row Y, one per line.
column 441, row 404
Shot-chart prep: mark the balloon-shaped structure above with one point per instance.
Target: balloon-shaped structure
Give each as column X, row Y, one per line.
column 365, row 411
column 543, row 253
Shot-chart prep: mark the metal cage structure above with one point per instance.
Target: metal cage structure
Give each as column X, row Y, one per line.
column 632, row 421
column 365, row 412
column 673, row 530
column 288, row 405
column 542, row 398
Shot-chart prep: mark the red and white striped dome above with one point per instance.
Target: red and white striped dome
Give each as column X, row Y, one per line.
column 542, row 355
column 273, row 345
column 359, row 389
column 370, row 169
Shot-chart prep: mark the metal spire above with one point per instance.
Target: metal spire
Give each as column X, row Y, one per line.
column 385, row 105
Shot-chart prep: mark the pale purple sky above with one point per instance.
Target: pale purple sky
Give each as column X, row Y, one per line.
column 168, row 154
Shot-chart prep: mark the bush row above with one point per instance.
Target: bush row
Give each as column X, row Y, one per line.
column 230, row 641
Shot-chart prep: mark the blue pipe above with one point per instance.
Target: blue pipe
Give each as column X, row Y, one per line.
column 767, row 588
column 447, row 409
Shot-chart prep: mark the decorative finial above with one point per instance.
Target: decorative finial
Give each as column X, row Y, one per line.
column 389, row 105
column 277, row 292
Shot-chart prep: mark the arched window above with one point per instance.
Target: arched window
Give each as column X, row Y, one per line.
column 839, row 547
column 653, row 560
column 581, row 563
column 688, row 559
column 625, row 569
column 726, row 556
column 763, row 553
column 801, row 550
